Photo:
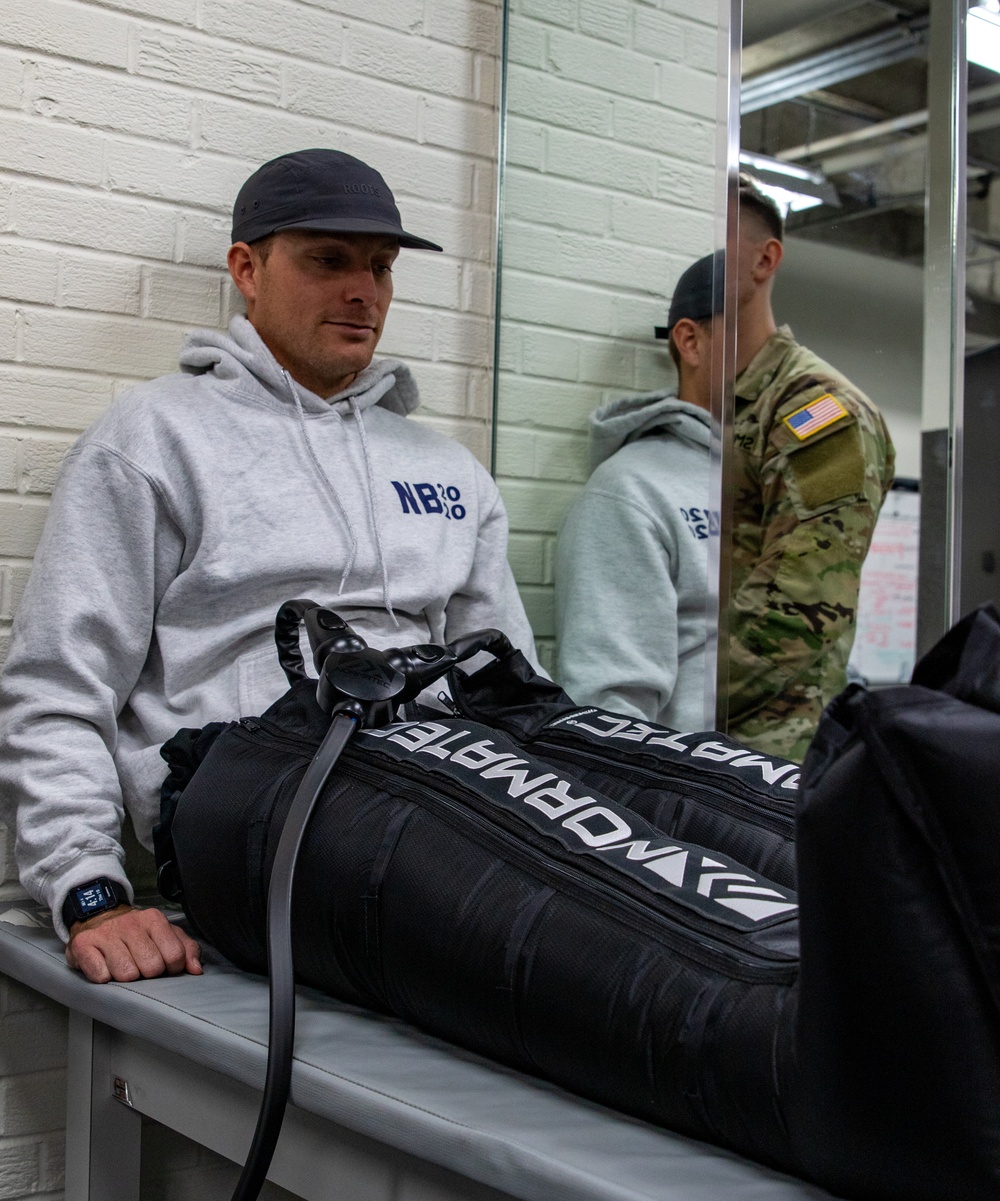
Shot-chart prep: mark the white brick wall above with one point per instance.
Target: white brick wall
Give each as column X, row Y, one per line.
column 126, row 128
column 609, row 196
column 32, row 1093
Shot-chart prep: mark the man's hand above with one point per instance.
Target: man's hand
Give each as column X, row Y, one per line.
column 128, row 944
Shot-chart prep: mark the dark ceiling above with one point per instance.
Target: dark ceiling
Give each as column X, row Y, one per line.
column 830, row 127
column 864, row 127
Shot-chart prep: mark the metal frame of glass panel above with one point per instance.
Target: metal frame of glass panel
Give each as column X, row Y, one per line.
column 724, row 363
column 940, row 602
column 498, row 263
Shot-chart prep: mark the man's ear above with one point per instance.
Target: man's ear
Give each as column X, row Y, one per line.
column 244, row 266
column 685, row 337
column 769, row 255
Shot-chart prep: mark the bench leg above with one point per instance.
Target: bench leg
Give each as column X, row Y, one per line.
column 103, row 1135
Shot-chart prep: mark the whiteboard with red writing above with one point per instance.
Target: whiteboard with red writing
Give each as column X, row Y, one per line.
column 886, row 641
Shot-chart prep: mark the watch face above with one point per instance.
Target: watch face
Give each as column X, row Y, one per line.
column 93, row 899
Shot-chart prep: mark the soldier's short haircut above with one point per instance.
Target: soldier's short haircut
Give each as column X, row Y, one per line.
column 753, row 200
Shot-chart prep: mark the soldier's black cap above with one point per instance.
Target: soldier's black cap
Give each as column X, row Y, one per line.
column 324, row 190
column 700, row 292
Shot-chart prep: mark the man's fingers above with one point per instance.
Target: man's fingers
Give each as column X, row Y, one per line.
column 176, row 948
column 144, row 953
column 131, row 944
column 180, row 952
column 121, row 958
column 90, row 961
column 192, row 962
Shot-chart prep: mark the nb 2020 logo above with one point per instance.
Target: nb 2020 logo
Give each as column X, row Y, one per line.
column 703, row 523
column 430, row 498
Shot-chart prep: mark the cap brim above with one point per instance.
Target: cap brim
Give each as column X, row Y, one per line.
column 662, row 331
column 357, row 225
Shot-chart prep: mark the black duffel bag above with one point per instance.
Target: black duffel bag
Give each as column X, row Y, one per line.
column 703, row 787
column 898, row 1037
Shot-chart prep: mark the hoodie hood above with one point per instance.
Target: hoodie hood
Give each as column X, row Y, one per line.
column 241, row 359
column 241, row 356
column 632, row 417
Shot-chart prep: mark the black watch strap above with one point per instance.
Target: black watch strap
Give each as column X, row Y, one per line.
column 94, row 897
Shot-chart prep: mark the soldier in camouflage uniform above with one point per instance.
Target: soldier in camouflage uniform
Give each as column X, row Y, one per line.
column 813, row 463
column 804, row 510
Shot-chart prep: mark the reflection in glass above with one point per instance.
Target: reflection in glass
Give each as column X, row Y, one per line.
column 834, row 129
column 978, row 579
column 612, row 190
column 610, row 193
column 632, row 556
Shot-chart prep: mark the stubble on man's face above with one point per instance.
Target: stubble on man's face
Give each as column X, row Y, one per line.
column 319, row 302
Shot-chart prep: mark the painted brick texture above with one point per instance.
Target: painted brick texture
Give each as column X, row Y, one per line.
column 609, row 196
column 32, row 1092
column 126, row 128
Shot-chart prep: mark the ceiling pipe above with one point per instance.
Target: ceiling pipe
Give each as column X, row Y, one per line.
column 843, row 163
column 896, row 44
column 867, row 133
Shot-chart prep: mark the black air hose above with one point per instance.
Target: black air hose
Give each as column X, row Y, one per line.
column 281, row 973
column 360, row 687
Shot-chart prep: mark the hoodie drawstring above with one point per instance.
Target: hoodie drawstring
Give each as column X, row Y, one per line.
column 376, row 515
column 372, row 495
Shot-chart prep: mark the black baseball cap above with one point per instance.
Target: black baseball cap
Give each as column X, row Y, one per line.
column 325, row 190
column 700, row 292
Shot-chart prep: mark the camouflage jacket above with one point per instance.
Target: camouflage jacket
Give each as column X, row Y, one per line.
column 813, row 463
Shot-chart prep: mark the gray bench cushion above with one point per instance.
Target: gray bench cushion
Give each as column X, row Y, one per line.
column 393, row 1083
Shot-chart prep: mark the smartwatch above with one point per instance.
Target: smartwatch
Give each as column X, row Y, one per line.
column 94, row 897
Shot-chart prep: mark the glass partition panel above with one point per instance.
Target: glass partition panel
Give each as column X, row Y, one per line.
column 979, row 552
column 835, row 100
column 616, row 120
column 620, row 161
column 944, row 325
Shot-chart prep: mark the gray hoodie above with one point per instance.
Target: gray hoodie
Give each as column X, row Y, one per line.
column 182, row 519
column 631, row 564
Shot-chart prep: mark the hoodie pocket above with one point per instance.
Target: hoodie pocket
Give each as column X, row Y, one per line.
column 141, row 772
column 260, row 681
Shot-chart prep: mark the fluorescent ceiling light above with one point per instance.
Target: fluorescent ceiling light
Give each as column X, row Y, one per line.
column 982, row 35
column 776, row 166
column 792, row 187
column 788, row 202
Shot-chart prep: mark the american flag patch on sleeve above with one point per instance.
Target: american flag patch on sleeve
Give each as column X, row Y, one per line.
column 815, row 416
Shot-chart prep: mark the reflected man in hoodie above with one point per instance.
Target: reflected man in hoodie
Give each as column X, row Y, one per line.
column 278, row 463
column 632, row 556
